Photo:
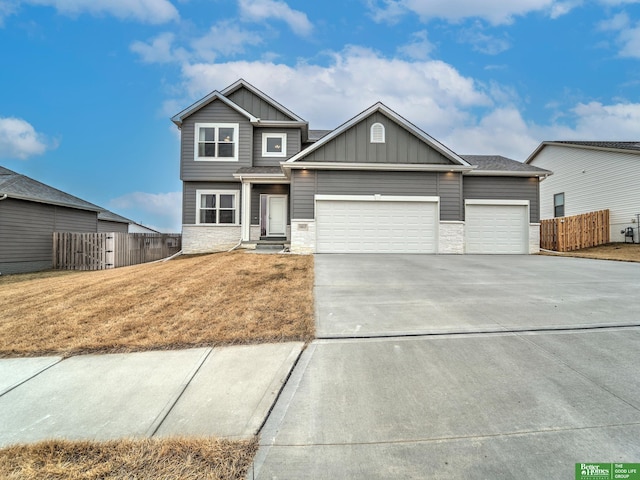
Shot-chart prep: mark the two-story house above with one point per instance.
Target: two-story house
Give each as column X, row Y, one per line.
column 253, row 171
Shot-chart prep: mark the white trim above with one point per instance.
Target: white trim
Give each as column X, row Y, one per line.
column 246, row 212
column 268, row 217
column 400, row 167
column 283, row 144
column 380, row 107
column 376, row 198
column 496, row 202
column 379, row 135
column 217, row 127
column 508, row 173
column 236, row 194
column 215, row 95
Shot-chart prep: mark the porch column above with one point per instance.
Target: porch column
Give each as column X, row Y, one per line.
column 246, row 211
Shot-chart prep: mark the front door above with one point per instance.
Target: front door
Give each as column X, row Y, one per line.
column 277, row 215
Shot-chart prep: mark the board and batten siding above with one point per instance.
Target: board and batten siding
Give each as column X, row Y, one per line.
column 504, row 188
column 354, row 146
column 306, row 184
column 592, row 180
column 257, row 106
column 26, row 232
column 293, row 146
column 214, row 170
column 189, row 197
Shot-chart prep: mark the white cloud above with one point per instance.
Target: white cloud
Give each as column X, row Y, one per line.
column 159, row 49
column 628, row 34
column 147, row 11
column 420, row 47
column 160, row 209
column 18, row 139
column 7, row 7
column 261, row 10
column 483, row 43
column 226, row 38
column 431, row 93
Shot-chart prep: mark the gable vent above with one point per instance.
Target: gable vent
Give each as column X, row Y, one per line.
column 377, row 133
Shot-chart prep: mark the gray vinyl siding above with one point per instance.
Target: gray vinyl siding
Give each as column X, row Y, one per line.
column 256, row 106
column 216, row 170
column 293, row 146
column 105, row 226
column 189, row 197
column 354, row 145
column 505, row 188
column 447, row 186
column 258, row 190
column 26, row 232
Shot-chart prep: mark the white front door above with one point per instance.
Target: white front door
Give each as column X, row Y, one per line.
column 277, row 215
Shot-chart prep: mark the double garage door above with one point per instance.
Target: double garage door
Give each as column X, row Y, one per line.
column 375, row 224
column 370, row 224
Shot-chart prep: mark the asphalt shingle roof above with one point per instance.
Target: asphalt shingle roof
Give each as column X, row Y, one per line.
column 635, row 146
column 499, row 163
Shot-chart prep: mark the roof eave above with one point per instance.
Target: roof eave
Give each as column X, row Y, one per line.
column 52, row 202
column 418, row 167
column 215, row 95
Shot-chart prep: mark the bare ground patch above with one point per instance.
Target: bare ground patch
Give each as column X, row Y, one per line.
column 623, row 252
column 208, row 459
column 226, row 298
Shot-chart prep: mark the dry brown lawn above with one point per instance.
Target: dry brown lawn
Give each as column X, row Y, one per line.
column 624, row 252
column 225, row 298
column 165, row 459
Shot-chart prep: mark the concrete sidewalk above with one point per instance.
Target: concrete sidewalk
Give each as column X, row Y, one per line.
column 223, row 392
column 500, row 406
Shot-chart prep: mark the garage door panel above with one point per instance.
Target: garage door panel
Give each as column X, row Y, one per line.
column 353, row 226
column 496, row 229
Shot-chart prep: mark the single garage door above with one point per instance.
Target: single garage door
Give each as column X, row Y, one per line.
column 497, row 228
column 368, row 224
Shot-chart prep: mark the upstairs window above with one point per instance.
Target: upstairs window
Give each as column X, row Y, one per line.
column 216, row 141
column 377, row 133
column 217, row 207
column 558, row 205
column 274, row 144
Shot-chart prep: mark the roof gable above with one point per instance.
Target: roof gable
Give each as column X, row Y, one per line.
column 258, row 103
column 215, row 95
column 411, row 144
column 620, row 147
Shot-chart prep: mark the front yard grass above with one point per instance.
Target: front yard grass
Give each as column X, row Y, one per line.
column 224, row 298
column 187, row 459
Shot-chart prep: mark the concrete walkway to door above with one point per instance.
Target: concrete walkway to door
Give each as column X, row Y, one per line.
column 389, row 295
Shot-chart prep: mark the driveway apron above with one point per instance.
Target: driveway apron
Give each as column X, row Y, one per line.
column 521, row 398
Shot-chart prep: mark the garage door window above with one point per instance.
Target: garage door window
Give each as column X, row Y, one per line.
column 558, row 205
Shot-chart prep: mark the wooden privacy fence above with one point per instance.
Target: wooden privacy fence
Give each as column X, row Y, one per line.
column 99, row 251
column 565, row 234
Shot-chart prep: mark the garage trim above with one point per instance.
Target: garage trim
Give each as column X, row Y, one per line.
column 434, row 208
column 511, row 203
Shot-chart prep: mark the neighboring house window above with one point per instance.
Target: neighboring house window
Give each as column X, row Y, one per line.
column 217, row 207
column 377, row 133
column 216, row 141
column 558, row 205
column 274, row 144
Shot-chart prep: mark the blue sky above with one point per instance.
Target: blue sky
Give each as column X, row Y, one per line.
column 87, row 87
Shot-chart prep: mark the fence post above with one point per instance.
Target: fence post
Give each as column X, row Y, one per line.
column 110, row 249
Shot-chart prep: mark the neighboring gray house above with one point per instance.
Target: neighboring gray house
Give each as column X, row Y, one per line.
column 252, row 172
column 112, row 222
column 591, row 176
column 31, row 211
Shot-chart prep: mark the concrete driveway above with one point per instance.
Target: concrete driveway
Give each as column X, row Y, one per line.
column 527, row 403
column 378, row 295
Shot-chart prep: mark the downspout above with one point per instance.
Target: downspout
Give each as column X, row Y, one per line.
column 240, row 242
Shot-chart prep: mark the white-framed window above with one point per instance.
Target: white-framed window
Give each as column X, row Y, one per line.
column 377, row 133
column 558, row 205
column 217, row 207
column 274, row 144
column 216, row 141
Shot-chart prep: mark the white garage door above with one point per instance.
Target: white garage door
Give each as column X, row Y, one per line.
column 497, row 229
column 380, row 226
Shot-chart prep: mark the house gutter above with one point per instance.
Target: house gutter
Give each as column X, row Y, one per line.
column 3, row 197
